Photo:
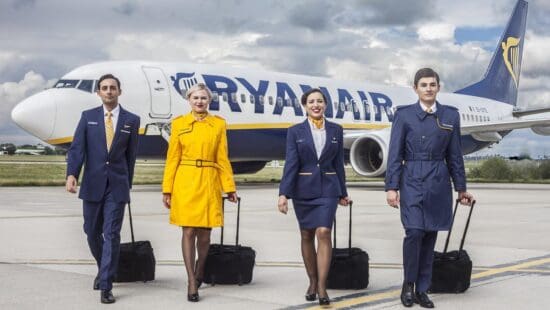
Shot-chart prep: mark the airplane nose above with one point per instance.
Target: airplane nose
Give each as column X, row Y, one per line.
column 36, row 115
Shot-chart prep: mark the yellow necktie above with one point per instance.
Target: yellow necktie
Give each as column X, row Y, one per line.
column 109, row 131
column 317, row 122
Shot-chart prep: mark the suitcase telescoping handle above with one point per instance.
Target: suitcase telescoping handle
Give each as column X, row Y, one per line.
column 238, row 219
column 131, row 224
column 349, row 230
column 465, row 228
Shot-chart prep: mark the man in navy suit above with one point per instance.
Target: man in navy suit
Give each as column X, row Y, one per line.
column 105, row 141
column 425, row 154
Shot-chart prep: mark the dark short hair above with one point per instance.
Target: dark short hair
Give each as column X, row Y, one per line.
column 423, row 73
column 311, row 91
column 108, row 76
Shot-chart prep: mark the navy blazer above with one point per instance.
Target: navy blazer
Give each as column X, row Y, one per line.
column 89, row 147
column 425, row 154
column 307, row 177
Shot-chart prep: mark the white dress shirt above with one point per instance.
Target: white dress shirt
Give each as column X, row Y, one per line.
column 319, row 137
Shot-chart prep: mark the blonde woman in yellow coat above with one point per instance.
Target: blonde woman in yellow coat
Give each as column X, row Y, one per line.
column 196, row 174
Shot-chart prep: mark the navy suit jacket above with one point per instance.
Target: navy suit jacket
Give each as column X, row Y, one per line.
column 307, row 177
column 89, row 147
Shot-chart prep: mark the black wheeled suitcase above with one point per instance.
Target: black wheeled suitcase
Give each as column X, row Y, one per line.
column 136, row 261
column 452, row 270
column 229, row 264
column 349, row 267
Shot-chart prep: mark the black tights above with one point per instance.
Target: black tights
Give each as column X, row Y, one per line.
column 190, row 236
column 317, row 263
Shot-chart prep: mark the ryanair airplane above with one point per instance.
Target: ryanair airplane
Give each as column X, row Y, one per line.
column 259, row 106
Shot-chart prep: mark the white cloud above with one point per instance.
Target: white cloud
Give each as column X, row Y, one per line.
column 443, row 32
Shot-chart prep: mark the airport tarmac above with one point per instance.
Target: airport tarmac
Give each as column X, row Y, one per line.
column 45, row 262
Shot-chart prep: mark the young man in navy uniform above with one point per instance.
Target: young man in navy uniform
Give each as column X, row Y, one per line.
column 424, row 156
column 105, row 141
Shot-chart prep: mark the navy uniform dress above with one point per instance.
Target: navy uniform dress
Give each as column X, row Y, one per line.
column 425, row 154
column 314, row 183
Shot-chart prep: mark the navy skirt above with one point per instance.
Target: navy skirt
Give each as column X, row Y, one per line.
column 313, row 213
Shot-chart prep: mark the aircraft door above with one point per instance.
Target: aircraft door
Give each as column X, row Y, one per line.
column 160, row 93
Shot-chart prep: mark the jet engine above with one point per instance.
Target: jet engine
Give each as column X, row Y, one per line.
column 369, row 153
column 541, row 130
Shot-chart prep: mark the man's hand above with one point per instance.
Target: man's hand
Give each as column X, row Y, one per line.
column 465, row 198
column 392, row 197
column 166, row 200
column 283, row 204
column 71, row 184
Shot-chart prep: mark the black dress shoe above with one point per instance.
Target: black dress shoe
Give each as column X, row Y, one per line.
column 107, row 297
column 324, row 301
column 423, row 300
column 407, row 296
column 193, row 297
column 311, row 297
column 96, row 283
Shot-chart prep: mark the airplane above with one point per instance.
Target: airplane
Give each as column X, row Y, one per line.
column 259, row 106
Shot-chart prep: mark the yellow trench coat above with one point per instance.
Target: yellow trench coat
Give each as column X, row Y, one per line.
column 196, row 191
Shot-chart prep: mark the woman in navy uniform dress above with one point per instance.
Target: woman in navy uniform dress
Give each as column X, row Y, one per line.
column 425, row 154
column 314, row 179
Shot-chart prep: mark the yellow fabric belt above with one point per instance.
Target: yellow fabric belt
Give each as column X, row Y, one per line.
column 199, row 163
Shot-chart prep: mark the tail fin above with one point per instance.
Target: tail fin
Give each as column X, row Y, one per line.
column 502, row 77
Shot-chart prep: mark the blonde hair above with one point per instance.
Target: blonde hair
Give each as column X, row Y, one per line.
column 197, row 87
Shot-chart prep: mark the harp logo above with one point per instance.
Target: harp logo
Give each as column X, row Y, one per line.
column 183, row 81
column 510, row 53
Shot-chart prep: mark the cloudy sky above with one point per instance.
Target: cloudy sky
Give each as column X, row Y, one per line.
column 382, row 41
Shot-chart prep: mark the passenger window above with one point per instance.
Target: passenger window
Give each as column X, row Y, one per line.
column 234, row 97
column 270, row 100
column 252, row 99
column 243, row 98
column 296, row 103
column 262, row 100
column 279, row 101
column 224, row 97
column 215, row 96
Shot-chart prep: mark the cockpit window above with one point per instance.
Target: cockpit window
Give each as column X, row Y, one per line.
column 66, row 84
column 86, row 85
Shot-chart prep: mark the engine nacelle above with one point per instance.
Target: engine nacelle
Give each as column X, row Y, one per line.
column 369, row 153
column 541, row 130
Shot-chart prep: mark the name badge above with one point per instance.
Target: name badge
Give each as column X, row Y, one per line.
column 92, row 123
column 125, row 131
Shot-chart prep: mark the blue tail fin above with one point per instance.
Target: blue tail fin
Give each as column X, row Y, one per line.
column 502, row 77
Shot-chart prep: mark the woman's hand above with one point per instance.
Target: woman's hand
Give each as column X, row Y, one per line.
column 232, row 196
column 344, row 201
column 166, row 200
column 283, row 204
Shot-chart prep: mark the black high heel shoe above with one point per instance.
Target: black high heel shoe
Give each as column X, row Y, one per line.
column 324, row 301
column 199, row 283
column 193, row 297
column 311, row 297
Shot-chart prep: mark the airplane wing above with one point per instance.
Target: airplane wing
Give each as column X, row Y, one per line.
column 504, row 125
